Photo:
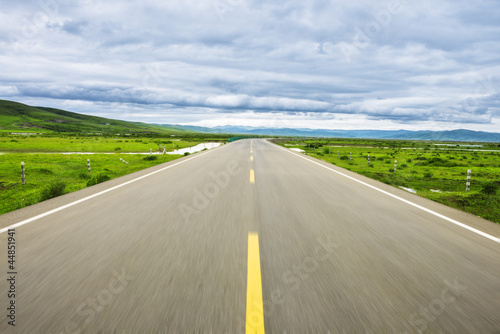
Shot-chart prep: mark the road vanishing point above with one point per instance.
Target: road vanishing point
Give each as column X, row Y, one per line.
column 249, row 238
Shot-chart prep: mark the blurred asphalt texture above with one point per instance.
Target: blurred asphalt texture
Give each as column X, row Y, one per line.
column 168, row 254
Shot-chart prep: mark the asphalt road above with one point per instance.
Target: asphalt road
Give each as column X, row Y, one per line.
column 168, row 253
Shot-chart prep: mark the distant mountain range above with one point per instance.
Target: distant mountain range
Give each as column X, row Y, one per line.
column 451, row 135
column 18, row 117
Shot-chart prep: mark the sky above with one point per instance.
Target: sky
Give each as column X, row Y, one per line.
column 359, row 64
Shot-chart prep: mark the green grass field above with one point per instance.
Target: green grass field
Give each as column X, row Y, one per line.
column 90, row 144
column 45, row 172
column 434, row 171
column 49, row 174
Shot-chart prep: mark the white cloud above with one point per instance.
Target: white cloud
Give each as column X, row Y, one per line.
column 359, row 64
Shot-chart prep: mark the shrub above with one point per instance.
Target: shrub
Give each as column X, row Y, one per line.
column 427, row 175
column 98, row 179
column 150, row 158
column 344, row 157
column 186, row 154
column 490, row 188
column 53, row 190
column 45, row 171
column 83, row 175
column 118, row 148
column 404, row 165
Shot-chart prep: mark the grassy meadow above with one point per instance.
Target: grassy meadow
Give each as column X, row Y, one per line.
column 50, row 173
column 437, row 171
column 33, row 144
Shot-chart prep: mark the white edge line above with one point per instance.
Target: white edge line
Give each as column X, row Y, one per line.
column 29, row 220
column 486, row 235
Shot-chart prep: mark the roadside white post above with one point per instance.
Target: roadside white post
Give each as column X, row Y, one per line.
column 150, row 151
column 368, row 160
column 338, row 154
column 350, row 156
column 88, row 164
column 467, row 187
column 123, row 161
column 395, row 166
column 22, row 173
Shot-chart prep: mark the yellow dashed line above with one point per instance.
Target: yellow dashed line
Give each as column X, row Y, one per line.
column 251, row 158
column 252, row 176
column 255, row 308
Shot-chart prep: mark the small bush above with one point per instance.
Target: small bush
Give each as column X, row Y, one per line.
column 428, row 175
column 53, row 190
column 490, row 188
column 118, row 148
column 83, row 175
column 344, row 157
column 45, row 171
column 98, row 179
column 186, row 154
column 150, row 158
column 404, row 165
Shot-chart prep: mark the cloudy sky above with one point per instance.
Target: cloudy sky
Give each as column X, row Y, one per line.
column 359, row 64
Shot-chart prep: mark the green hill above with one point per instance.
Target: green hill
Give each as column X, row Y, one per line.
column 18, row 117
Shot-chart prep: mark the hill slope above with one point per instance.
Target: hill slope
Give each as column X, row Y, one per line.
column 18, row 117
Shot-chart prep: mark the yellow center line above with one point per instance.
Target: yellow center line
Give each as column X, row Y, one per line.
column 251, row 158
column 252, row 176
column 255, row 306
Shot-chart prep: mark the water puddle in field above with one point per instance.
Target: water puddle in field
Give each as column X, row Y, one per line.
column 192, row 149
column 413, row 191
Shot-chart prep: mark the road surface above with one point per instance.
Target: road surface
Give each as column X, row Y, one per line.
column 189, row 246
